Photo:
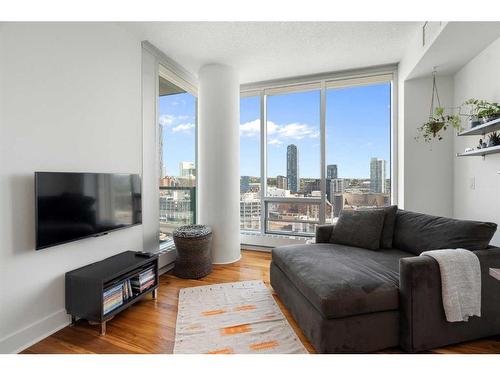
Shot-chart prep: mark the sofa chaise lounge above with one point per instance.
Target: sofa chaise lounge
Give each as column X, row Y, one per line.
column 352, row 299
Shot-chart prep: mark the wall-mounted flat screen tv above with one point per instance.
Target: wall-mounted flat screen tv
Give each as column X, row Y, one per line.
column 72, row 206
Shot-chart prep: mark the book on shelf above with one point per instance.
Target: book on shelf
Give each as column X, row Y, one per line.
column 113, row 298
column 143, row 280
column 113, row 290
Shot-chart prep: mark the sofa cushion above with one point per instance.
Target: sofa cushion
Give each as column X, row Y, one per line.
column 360, row 228
column 389, row 222
column 341, row 280
column 416, row 233
column 388, row 230
column 323, row 233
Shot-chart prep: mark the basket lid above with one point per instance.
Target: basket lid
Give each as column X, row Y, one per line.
column 193, row 230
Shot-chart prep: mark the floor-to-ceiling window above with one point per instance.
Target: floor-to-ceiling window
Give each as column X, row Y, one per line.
column 327, row 146
column 358, row 146
column 177, row 157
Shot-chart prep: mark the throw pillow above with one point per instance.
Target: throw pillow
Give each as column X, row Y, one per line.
column 389, row 224
column 359, row 228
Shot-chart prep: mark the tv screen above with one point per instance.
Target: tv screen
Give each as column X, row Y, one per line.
column 72, row 206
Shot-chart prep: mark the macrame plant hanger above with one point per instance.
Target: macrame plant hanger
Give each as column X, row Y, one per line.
column 434, row 94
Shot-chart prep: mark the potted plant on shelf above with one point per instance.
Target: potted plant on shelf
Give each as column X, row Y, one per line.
column 437, row 124
column 494, row 139
column 482, row 111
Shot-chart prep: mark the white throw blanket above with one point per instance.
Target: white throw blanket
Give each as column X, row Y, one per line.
column 460, row 283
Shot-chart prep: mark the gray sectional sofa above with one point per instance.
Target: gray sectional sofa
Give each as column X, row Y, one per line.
column 353, row 299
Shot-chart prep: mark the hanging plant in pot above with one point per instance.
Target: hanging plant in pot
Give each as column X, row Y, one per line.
column 438, row 122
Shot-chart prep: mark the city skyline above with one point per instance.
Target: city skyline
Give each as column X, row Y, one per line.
column 378, row 181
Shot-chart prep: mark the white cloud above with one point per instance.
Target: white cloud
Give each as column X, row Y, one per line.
column 274, row 142
column 167, row 120
column 250, row 129
column 297, row 131
column 287, row 131
column 272, row 128
column 185, row 128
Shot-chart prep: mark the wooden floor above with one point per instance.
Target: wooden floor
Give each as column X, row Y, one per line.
column 149, row 325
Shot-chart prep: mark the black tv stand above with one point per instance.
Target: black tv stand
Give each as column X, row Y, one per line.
column 86, row 286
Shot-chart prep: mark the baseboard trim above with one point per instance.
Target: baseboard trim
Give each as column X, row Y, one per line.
column 165, row 269
column 230, row 262
column 263, row 249
column 18, row 341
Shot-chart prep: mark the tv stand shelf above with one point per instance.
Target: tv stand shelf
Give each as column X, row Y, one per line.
column 85, row 286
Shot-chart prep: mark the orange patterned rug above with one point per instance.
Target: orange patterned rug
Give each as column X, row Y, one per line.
column 232, row 318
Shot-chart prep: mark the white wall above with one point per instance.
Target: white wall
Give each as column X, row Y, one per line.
column 70, row 101
column 480, row 78
column 425, row 175
column 428, row 172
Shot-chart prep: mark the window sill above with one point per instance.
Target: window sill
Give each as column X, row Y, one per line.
column 270, row 240
column 166, row 247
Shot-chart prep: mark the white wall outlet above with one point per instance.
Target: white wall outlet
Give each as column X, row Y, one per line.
column 472, row 183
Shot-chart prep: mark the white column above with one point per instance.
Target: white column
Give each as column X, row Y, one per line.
column 219, row 159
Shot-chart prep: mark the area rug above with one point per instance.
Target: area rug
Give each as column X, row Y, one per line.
column 232, row 318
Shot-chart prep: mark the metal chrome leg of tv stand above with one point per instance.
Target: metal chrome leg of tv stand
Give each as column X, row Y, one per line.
column 103, row 328
column 154, row 293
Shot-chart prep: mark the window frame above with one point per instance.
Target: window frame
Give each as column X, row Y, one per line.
column 323, row 82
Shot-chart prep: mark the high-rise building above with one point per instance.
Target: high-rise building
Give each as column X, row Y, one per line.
column 377, row 175
column 292, row 168
column 281, row 182
column 338, row 204
column 337, row 186
column 244, row 184
column 310, row 185
column 331, row 171
column 250, row 211
column 186, row 169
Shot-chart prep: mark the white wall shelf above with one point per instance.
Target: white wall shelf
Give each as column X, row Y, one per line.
column 482, row 129
column 481, row 152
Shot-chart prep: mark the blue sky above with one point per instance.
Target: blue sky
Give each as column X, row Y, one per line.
column 357, row 121
column 177, row 115
column 358, row 126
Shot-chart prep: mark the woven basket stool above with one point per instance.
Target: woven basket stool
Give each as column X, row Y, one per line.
column 194, row 245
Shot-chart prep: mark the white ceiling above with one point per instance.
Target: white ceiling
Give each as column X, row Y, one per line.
column 262, row 51
column 455, row 46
